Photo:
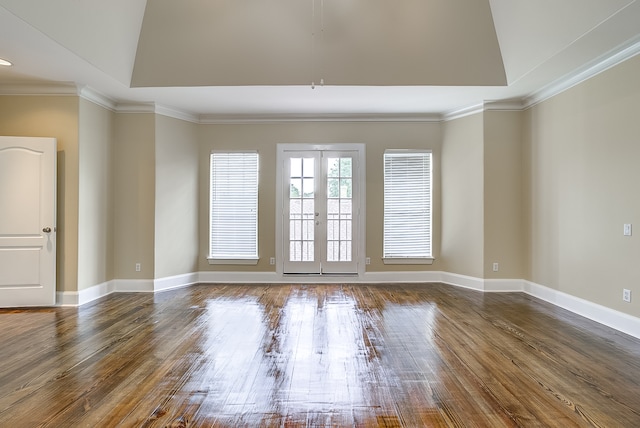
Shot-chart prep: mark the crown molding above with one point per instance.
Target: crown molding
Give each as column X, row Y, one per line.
column 501, row 105
column 463, row 112
column 135, row 108
column 153, row 108
column 604, row 63
column 504, row 105
column 346, row 117
column 176, row 114
column 97, row 98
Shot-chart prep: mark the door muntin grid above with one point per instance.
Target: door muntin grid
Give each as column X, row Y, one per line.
column 302, row 213
column 321, row 212
column 339, row 239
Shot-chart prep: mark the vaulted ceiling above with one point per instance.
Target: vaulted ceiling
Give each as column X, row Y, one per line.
column 310, row 58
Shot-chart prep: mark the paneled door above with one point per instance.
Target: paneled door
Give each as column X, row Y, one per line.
column 27, row 221
column 320, row 212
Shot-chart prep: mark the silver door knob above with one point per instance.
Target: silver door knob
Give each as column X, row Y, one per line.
column 47, row 230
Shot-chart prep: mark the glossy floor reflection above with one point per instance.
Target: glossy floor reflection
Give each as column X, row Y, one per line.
column 315, row 356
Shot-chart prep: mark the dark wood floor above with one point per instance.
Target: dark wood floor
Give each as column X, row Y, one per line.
column 327, row 355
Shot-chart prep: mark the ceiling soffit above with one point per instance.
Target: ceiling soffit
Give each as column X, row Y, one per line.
column 530, row 36
column 99, row 32
column 342, row 42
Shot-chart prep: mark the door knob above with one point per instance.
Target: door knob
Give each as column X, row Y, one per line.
column 47, row 230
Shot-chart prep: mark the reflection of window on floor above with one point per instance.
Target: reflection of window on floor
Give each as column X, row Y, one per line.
column 234, row 206
column 407, row 204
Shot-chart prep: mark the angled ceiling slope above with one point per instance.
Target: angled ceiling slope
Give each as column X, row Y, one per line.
column 102, row 33
column 294, row 42
column 228, row 60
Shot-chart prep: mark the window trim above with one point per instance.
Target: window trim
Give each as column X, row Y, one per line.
column 233, row 259
column 408, row 260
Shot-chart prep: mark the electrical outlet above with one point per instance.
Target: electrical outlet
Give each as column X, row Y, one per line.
column 627, row 230
column 272, row 261
column 367, row 260
column 626, row 295
column 138, row 267
column 496, row 267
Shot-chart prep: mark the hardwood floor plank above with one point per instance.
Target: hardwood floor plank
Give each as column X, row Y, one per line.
column 400, row 355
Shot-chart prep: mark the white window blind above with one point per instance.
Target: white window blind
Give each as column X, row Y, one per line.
column 234, row 205
column 407, row 204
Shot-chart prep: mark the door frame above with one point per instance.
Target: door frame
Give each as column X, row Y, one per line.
column 360, row 175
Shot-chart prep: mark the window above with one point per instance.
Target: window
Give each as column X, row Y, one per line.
column 234, row 207
column 407, row 207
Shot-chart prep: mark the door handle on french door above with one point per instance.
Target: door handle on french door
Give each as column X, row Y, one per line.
column 46, row 230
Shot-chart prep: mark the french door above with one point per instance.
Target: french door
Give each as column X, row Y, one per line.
column 320, row 211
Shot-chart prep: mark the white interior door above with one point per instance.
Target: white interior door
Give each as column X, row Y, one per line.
column 320, row 212
column 27, row 221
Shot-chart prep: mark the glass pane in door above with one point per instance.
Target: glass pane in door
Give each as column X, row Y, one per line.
column 339, row 209
column 301, row 209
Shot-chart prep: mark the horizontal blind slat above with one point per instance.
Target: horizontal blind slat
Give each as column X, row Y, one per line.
column 234, row 204
column 407, row 204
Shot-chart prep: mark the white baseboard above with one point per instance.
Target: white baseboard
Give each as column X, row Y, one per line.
column 610, row 317
column 615, row 319
column 220, row 277
column 406, row 276
column 97, row 291
column 463, row 281
column 485, row 285
column 86, row 295
column 177, row 281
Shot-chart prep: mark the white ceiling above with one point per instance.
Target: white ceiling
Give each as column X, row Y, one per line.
column 224, row 59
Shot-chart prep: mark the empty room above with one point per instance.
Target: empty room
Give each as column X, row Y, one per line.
column 319, row 213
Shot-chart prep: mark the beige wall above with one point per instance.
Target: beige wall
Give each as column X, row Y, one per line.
column 95, row 196
column 544, row 192
column 463, row 196
column 53, row 116
column 504, row 223
column 265, row 137
column 134, row 195
column 176, row 204
column 582, row 151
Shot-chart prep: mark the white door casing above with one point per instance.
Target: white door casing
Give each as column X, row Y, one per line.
column 27, row 221
column 321, row 216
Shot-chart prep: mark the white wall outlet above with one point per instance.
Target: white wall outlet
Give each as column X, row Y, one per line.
column 627, row 230
column 626, row 295
column 272, row 260
column 367, row 260
column 138, row 267
column 496, row 267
